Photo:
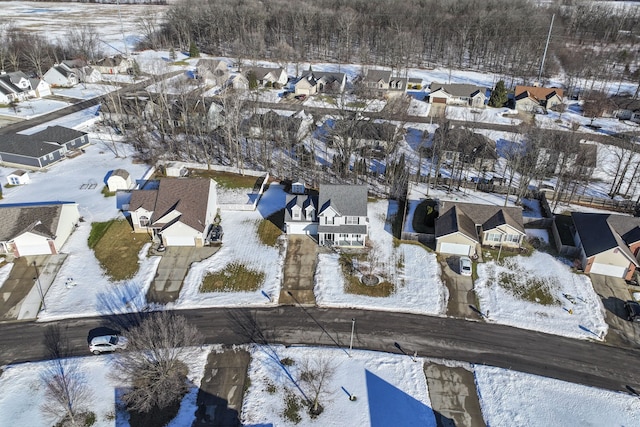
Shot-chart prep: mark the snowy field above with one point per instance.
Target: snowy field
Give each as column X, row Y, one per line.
column 33, row 108
column 85, row 90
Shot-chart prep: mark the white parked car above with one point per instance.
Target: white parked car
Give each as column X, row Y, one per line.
column 465, row 266
column 107, row 343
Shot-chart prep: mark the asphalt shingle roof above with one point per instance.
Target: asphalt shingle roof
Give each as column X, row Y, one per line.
column 347, row 200
column 457, row 89
column 40, row 143
column 40, row 219
column 601, row 232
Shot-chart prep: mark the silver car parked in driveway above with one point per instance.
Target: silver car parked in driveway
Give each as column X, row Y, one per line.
column 465, row 266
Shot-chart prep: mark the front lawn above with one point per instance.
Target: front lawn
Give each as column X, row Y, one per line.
column 116, row 248
column 226, row 179
column 353, row 284
column 235, row 277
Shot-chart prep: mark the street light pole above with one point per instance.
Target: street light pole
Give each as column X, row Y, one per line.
column 37, row 280
column 353, row 325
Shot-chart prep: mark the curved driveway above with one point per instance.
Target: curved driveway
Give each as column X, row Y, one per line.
column 577, row 361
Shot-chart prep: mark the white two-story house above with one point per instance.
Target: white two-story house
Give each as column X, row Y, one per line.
column 342, row 215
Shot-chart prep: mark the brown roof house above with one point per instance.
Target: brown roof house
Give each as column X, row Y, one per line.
column 178, row 211
column 531, row 98
column 609, row 244
column 463, row 228
column 36, row 228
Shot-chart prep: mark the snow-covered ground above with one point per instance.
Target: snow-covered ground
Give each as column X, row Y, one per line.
column 33, row 108
column 85, row 90
column 389, row 390
column 413, row 270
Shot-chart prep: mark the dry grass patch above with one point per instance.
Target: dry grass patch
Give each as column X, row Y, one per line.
column 117, row 248
column 268, row 232
column 353, row 285
column 226, row 179
column 235, row 277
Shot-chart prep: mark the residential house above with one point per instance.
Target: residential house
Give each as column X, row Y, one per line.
column 458, row 94
column 61, row 75
column 178, row 212
column 532, row 98
column 117, row 64
column 382, row 83
column 40, row 149
column 342, row 215
column 626, row 108
column 39, row 87
column 301, row 214
column 366, row 134
column 265, row 76
column 36, row 228
column 18, row 177
column 470, row 148
column 608, row 243
column 192, row 114
column 463, row 228
column 275, row 127
column 213, row 71
column 14, row 87
column 238, row 82
column 119, row 179
column 337, row 216
column 313, row 82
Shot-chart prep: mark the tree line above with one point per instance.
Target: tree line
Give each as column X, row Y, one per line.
column 589, row 41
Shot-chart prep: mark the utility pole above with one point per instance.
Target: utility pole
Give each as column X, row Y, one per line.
column 546, row 46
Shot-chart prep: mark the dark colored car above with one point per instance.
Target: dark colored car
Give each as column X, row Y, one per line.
column 633, row 311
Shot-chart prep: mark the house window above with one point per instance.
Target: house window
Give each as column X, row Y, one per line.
column 515, row 238
column 50, row 156
column 14, row 180
column 296, row 213
column 328, row 220
column 144, row 221
column 494, row 237
column 344, row 236
column 352, row 220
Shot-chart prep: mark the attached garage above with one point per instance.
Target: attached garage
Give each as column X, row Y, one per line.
column 37, row 249
column 32, row 244
column 455, row 248
column 302, row 228
column 608, row 270
column 178, row 240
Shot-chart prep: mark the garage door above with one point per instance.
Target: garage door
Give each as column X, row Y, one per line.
column 40, row 249
column 302, row 228
column 608, row 270
column 179, row 240
column 455, row 248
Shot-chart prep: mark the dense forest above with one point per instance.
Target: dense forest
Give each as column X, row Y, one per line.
column 589, row 40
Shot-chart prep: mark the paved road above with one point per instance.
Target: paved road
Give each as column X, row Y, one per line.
column 553, row 356
column 81, row 105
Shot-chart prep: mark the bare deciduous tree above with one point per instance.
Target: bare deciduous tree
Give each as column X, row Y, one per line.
column 67, row 393
column 154, row 363
column 315, row 375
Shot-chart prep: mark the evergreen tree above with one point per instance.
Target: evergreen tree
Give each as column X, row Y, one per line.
column 193, row 50
column 172, row 54
column 499, row 95
column 253, row 81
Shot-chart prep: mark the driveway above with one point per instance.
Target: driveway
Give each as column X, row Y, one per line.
column 461, row 294
column 19, row 297
column 222, row 388
column 614, row 292
column 299, row 270
column 172, row 270
column 453, row 394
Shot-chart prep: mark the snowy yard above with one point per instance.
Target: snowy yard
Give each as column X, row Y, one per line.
column 508, row 292
column 413, row 270
column 33, row 108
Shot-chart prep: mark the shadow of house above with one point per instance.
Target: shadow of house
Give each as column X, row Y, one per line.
column 390, row 406
column 213, row 412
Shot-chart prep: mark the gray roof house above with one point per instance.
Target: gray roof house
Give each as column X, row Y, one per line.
column 462, row 228
column 342, row 215
column 608, row 243
column 457, row 94
column 36, row 228
column 40, row 149
column 382, row 83
column 313, row 82
column 267, row 76
column 14, row 87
